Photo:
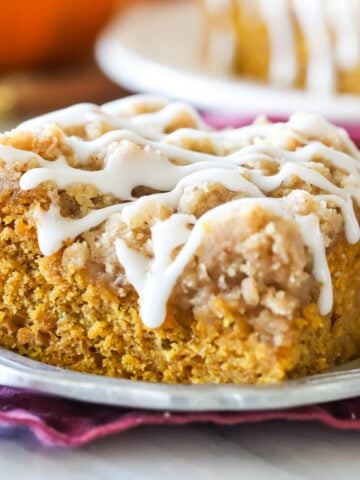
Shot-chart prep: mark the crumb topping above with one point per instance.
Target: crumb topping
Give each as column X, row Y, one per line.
column 169, row 209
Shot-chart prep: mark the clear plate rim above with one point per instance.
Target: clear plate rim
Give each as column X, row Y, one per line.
column 19, row 371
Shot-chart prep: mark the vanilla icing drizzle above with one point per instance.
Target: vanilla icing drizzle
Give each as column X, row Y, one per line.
column 140, row 153
column 331, row 31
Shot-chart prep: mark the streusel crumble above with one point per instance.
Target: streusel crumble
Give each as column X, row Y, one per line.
column 137, row 242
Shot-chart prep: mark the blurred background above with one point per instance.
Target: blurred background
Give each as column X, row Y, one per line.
column 46, row 55
column 232, row 57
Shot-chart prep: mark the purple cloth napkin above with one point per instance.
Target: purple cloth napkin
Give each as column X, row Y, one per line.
column 65, row 423
column 60, row 422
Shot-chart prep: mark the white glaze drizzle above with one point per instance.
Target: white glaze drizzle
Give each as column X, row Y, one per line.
column 352, row 228
column 54, row 229
column 230, row 179
column 283, row 65
column 12, row 156
column 126, row 106
column 314, row 240
column 220, row 41
column 126, row 167
column 344, row 18
column 331, row 30
column 159, row 280
column 321, row 74
column 63, row 229
column 148, row 125
column 162, row 270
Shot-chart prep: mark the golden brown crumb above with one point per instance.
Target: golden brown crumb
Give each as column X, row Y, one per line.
column 243, row 310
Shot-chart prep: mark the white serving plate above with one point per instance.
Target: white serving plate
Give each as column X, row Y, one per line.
column 156, row 47
column 18, row 371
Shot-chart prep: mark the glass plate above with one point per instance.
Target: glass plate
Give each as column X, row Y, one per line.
column 18, row 371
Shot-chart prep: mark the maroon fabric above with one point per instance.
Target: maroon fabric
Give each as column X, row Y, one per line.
column 65, row 423
column 59, row 422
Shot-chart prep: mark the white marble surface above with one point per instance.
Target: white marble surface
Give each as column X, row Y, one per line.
column 276, row 450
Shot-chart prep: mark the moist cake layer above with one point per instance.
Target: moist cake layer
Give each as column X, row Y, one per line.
column 137, row 242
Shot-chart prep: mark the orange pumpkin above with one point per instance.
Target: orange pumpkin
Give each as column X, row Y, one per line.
column 38, row 32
